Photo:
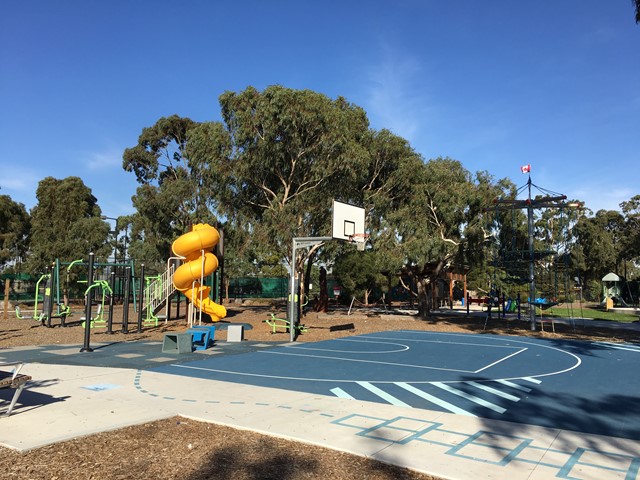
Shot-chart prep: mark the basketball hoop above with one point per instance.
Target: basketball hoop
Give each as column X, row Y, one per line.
column 360, row 239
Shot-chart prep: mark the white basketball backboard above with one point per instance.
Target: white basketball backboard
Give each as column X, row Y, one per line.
column 348, row 220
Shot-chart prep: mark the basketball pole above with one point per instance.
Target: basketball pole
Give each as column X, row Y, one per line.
column 298, row 242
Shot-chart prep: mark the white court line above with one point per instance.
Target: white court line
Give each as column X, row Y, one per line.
column 532, row 380
column 403, row 348
column 440, row 341
column 367, row 361
column 472, row 398
column 384, row 395
column 489, row 389
column 514, row 385
column 340, row 393
column 620, row 346
column 501, row 360
column 454, row 343
column 534, row 344
column 435, row 400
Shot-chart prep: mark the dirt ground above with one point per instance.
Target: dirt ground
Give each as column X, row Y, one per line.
column 180, row 449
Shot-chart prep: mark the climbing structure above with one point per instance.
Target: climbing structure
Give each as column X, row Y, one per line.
column 520, row 261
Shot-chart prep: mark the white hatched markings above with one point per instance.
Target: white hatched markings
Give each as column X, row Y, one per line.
column 450, row 407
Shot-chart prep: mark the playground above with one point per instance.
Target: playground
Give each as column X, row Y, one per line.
column 479, row 360
column 335, row 324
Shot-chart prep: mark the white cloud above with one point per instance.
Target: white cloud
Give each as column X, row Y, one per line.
column 602, row 197
column 106, row 160
column 19, row 182
column 396, row 99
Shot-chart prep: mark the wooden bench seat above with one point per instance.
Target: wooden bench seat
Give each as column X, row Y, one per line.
column 13, row 379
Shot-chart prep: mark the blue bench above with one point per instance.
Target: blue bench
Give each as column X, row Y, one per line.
column 202, row 335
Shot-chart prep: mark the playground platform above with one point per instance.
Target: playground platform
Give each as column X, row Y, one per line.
column 75, row 394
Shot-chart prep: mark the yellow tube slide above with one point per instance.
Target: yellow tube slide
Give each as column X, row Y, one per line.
column 199, row 262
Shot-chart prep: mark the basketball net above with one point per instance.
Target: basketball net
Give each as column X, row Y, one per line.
column 360, row 239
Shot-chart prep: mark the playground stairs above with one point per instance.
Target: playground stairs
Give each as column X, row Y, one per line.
column 157, row 293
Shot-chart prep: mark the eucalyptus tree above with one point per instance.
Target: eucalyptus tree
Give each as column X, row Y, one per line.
column 65, row 224
column 15, row 225
column 361, row 274
column 293, row 152
column 176, row 180
column 439, row 222
column 596, row 249
column 631, row 244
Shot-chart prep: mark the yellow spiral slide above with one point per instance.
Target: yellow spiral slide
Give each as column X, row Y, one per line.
column 199, row 262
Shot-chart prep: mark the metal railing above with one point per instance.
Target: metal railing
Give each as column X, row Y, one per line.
column 158, row 290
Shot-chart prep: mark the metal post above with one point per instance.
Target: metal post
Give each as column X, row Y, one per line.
column 87, row 309
column 301, row 242
column 48, row 293
column 292, row 288
column 532, row 277
column 113, row 289
column 125, row 303
column 141, row 298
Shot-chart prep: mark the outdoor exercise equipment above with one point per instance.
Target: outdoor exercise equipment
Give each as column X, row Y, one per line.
column 276, row 322
column 98, row 320
column 282, row 323
column 33, row 314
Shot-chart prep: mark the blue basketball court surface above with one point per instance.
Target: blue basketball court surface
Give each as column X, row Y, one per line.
column 590, row 387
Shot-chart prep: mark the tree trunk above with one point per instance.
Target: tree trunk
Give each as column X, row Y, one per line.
column 323, row 300
column 424, row 299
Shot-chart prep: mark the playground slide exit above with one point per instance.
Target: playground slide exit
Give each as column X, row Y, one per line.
column 196, row 247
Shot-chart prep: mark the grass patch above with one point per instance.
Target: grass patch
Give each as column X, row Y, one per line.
column 561, row 311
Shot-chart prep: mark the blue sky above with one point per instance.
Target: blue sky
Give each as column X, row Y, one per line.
column 495, row 84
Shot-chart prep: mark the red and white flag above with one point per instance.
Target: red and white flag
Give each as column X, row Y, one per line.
column 525, row 168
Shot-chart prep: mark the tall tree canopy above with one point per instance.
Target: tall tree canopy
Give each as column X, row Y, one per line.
column 66, row 224
column 14, row 230
column 293, row 152
column 273, row 167
column 436, row 222
column 597, row 248
column 631, row 242
column 175, row 184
